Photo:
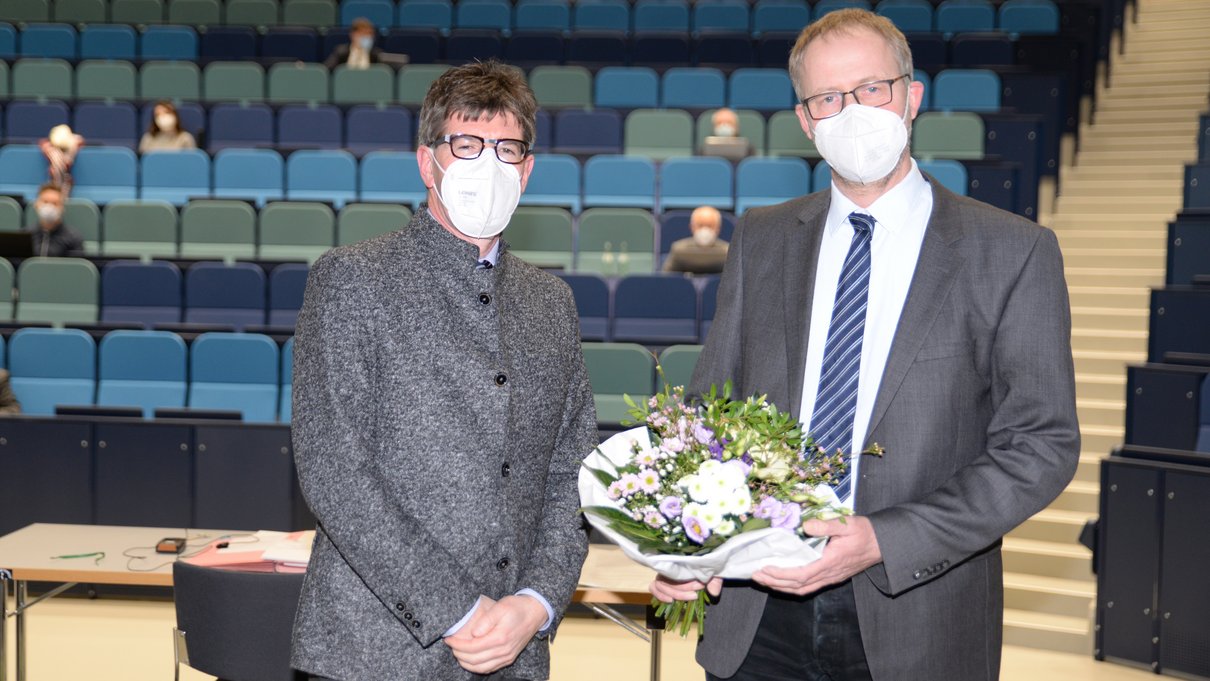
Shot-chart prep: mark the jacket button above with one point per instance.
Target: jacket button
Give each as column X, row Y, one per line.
column 501, row 379
column 505, row 469
column 918, row 574
column 484, row 298
column 502, row 564
column 416, row 623
column 407, row 615
column 399, row 607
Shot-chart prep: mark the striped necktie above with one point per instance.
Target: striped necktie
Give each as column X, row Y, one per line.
column 836, row 399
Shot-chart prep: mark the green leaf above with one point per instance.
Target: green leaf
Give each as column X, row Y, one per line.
column 603, row 477
column 753, row 524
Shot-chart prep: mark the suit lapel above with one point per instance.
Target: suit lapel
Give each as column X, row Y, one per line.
column 935, row 270
column 801, row 253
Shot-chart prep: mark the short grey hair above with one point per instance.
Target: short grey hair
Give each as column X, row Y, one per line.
column 478, row 91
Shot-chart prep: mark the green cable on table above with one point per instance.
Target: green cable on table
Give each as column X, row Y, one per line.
column 100, row 555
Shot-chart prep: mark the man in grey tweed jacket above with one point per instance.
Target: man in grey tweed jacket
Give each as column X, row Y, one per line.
column 441, row 410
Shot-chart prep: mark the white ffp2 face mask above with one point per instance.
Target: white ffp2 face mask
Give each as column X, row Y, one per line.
column 479, row 195
column 862, row 143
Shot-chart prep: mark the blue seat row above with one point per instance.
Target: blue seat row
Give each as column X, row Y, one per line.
column 149, row 370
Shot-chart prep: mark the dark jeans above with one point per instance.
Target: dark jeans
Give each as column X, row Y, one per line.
column 812, row 638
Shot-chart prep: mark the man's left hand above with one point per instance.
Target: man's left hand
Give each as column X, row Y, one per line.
column 852, row 547
column 494, row 642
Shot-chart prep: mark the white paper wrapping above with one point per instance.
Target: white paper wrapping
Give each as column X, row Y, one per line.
column 736, row 558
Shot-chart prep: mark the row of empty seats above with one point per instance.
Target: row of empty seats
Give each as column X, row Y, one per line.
column 1012, row 16
column 555, row 87
column 104, row 174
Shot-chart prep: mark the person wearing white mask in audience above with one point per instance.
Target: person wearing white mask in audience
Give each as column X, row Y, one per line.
column 725, row 123
column 702, row 252
column 441, row 411
column 360, row 51
column 52, row 238
column 164, row 133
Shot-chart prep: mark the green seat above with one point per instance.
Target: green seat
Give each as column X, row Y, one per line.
column 314, row 13
column 374, row 85
column 751, row 126
column 562, row 87
column 957, row 135
column 79, row 11
column 26, row 10
column 175, row 80
column 253, row 13
column 140, row 228
column 11, row 217
column 616, row 370
column 4, row 79
column 42, row 78
column 361, row 221
column 104, row 79
column 195, row 12
column 786, row 137
column 296, row 230
column 233, row 81
column 676, row 365
column 541, row 235
column 298, row 82
column 6, row 289
column 57, row 290
column 659, row 134
column 616, row 241
column 414, row 81
column 218, row 229
column 136, row 11
column 82, row 215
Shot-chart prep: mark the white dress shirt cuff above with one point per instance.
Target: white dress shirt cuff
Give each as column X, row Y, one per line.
column 550, row 612
column 462, row 622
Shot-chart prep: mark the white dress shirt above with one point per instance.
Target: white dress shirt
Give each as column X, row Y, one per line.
column 900, row 217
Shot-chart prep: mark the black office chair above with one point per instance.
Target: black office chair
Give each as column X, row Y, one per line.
column 234, row 625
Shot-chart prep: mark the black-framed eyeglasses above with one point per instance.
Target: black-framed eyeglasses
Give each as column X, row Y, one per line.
column 875, row 93
column 469, row 147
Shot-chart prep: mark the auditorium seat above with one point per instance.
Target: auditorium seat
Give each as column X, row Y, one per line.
column 658, row 134
column 721, row 15
column 314, row 13
column 22, row 168
column 615, row 180
column 309, row 127
column 821, row 176
column 107, row 123
column 83, row 216
column 616, row 241
column 909, row 16
column 373, row 85
column 361, row 221
column 57, row 290
column 579, row 131
column 751, row 127
column 51, row 367
column 252, row 12
column 379, row 12
column 49, row 41
column 592, row 304
column 661, row 15
column 170, row 80
column 322, row 175
column 558, row 87
column 660, row 48
column 674, row 225
column 218, row 293
column 1196, row 190
column 822, row 7
column 414, row 80
column 1028, row 16
column 80, row 11
column 143, row 229
column 229, row 43
column 141, row 292
column 966, row 90
column 296, row 230
column 289, row 43
column 287, row 380
column 693, row 88
column 238, row 371
column 27, row 10
column 786, row 137
column 676, row 363
column 473, row 44
column 286, row 285
column 696, row 181
column 956, row 135
column 108, row 41
column 175, row 176
column 12, row 219
column 102, row 79
column 598, row 47
column 7, row 279
column 42, row 78
column 615, row 371
column 201, row 13
column 529, row 48
column 950, row 173
column 437, row 14
column 104, row 174
column 541, row 235
column 655, row 310
column 725, row 48
column 709, row 304
column 959, row 16
column 763, row 181
column 142, row 369
column 761, row 89
column 602, row 15
column 234, row 81
column 391, row 176
column 290, row 82
column 253, row 174
column 626, row 87
column 136, row 11
column 239, row 126
column 972, row 50
column 554, row 181
column 780, row 15
column 495, row 15
column 371, row 127
column 541, row 15
column 218, row 229
column 1179, row 321
column 169, row 43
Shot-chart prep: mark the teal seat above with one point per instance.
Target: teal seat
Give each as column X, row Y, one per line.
column 140, row 229
column 233, row 81
column 104, row 79
column 195, row 12
column 57, row 290
column 296, row 230
column 414, row 81
column 558, row 87
column 298, row 82
column 83, row 216
column 42, row 78
column 136, row 11
column 786, row 137
column 956, row 135
column 375, row 85
column 214, row 228
column 361, row 221
column 541, row 235
column 658, row 134
column 175, row 80
column 676, row 365
column 616, row 241
column 78, row 11
column 615, row 371
column 7, row 279
column 253, row 13
column 314, row 13
column 12, row 218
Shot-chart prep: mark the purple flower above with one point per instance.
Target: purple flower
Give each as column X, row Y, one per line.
column 702, row 434
column 672, row 444
column 766, row 508
column 788, row 517
column 716, row 450
column 694, row 529
column 671, row 506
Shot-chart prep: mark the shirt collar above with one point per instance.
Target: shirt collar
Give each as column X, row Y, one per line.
column 888, row 211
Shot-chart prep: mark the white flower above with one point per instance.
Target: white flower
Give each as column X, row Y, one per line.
column 725, row 528
column 696, row 486
column 711, row 516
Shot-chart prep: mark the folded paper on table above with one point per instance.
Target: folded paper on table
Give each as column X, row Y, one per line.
column 737, row 558
column 262, row 551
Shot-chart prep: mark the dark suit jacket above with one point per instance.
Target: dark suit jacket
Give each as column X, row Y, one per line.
column 340, row 55
column 976, row 410
column 440, row 416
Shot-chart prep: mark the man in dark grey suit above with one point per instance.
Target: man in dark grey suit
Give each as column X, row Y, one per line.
column 441, row 411
column 889, row 310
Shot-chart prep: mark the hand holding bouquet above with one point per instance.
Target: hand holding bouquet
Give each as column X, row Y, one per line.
column 718, row 489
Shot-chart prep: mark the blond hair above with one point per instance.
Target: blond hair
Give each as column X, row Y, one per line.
column 848, row 22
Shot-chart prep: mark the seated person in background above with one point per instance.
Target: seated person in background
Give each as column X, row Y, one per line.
column 52, row 238
column 360, row 52
column 9, row 405
column 725, row 139
column 60, row 147
column 165, row 133
column 725, row 123
column 702, row 253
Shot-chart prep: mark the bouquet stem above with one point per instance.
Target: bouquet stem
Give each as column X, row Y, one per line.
column 684, row 614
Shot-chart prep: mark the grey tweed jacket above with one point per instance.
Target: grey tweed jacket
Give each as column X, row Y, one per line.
column 440, row 416
column 976, row 410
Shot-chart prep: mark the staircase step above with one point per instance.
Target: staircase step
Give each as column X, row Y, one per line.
column 1101, row 412
column 1109, row 202
column 1051, row 595
column 1101, row 386
column 1102, row 439
column 1171, row 172
column 1057, row 526
column 1109, row 340
column 1109, row 296
column 1157, row 117
column 1128, row 220
column 1114, row 257
column 1047, row 631
column 1102, row 362
column 1126, row 77
column 1048, row 558
column 1089, row 469
column 1080, row 496
column 1108, row 318
column 1106, row 276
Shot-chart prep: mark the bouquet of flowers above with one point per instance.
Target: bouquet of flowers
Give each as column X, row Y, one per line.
column 717, row 489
